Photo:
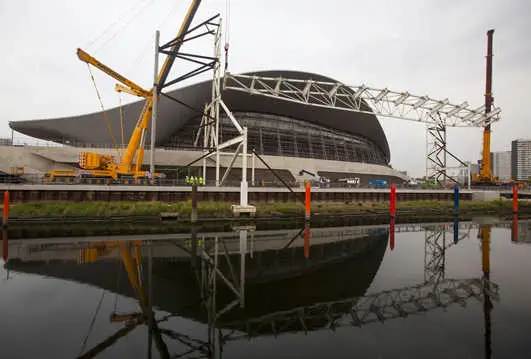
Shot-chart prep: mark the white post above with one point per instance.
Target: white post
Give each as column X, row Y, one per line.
column 244, row 185
column 204, row 171
column 243, row 252
column 252, row 168
column 469, row 175
column 154, row 105
column 217, row 165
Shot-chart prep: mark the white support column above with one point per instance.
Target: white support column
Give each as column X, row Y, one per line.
column 469, row 175
column 154, row 105
column 243, row 252
column 252, row 168
column 217, row 165
column 204, row 171
column 244, row 186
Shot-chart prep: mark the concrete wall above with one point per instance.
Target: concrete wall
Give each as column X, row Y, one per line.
column 37, row 160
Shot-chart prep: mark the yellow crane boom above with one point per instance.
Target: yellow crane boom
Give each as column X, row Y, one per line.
column 103, row 166
column 85, row 57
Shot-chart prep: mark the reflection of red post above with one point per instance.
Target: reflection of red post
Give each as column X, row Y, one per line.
column 515, row 199
column 4, row 245
column 307, row 201
column 307, row 240
column 392, row 209
column 514, row 229
column 392, row 234
column 6, row 208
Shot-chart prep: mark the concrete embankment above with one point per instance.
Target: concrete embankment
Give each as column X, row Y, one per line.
column 143, row 211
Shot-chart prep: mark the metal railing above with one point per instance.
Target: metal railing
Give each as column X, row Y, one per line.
column 37, row 179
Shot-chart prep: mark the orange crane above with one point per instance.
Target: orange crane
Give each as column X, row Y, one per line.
column 99, row 168
column 485, row 177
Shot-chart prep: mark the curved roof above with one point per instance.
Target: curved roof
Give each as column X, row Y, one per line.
column 92, row 129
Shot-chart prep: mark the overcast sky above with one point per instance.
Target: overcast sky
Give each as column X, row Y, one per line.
column 434, row 48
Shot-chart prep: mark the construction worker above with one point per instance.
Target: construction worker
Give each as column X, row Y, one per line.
column 200, row 181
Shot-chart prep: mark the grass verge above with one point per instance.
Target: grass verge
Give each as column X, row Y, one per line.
column 223, row 209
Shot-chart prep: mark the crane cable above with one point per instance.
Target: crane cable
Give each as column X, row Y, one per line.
column 227, row 33
column 117, row 286
column 98, row 307
column 121, row 119
column 141, row 5
column 103, row 110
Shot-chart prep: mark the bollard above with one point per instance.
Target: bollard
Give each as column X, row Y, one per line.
column 456, row 230
column 307, row 201
column 515, row 199
column 392, row 208
column 392, row 234
column 6, row 208
column 4, row 245
column 193, row 217
column 307, row 240
column 456, row 199
column 514, row 228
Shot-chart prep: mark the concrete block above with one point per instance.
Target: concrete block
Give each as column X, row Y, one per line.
column 485, row 196
column 237, row 210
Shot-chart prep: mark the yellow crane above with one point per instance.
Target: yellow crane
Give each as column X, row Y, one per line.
column 485, row 177
column 99, row 168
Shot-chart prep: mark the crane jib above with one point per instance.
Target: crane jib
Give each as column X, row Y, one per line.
column 165, row 70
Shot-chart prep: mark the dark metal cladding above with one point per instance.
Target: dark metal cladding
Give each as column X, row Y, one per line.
column 91, row 129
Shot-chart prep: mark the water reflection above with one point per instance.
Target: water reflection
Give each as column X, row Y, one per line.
column 249, row 283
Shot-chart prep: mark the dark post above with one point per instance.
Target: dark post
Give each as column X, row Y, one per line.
column 6, row 208
column 514, row 228
column 194, row 204
column 5, row 249
column 307, row 240
column 456, row 230
column 456, row 199
column 392, row 233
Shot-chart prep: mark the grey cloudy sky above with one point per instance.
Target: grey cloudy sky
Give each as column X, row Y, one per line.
column 434, row 48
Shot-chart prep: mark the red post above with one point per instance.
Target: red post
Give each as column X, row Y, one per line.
column 392, row 234
column 514, row 228
column 4, row 245
column 307, row 201
column 6, row 208
column 515, row 199
column 392, row 208
column 307, row 240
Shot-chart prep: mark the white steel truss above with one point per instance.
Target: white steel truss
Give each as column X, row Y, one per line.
column 209, row 130
column 362, row 99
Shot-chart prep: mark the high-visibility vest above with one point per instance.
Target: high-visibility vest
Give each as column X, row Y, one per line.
column 200, row 180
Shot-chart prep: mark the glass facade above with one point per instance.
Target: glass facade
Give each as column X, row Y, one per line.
column 282, row 136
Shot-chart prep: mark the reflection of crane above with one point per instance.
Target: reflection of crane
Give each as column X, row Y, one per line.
column 484, row 234
column 210, row 261
column 95, row 166
column 132, row 320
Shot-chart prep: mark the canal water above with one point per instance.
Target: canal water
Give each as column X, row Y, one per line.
column 427, row 290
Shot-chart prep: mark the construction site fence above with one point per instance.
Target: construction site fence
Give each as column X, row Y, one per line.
column 37, row 179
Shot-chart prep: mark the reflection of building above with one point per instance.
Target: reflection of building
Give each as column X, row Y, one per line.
column 291, row 136
column 501, row 165
column 521, row 159
column 277, row 277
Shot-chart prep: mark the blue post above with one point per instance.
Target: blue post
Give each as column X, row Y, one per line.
column 456, row 199
column 456, row 230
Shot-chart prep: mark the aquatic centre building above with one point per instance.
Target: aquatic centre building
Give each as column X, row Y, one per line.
column 290, row 137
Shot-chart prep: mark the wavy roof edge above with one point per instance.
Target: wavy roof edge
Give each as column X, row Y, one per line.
column 172, row 116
